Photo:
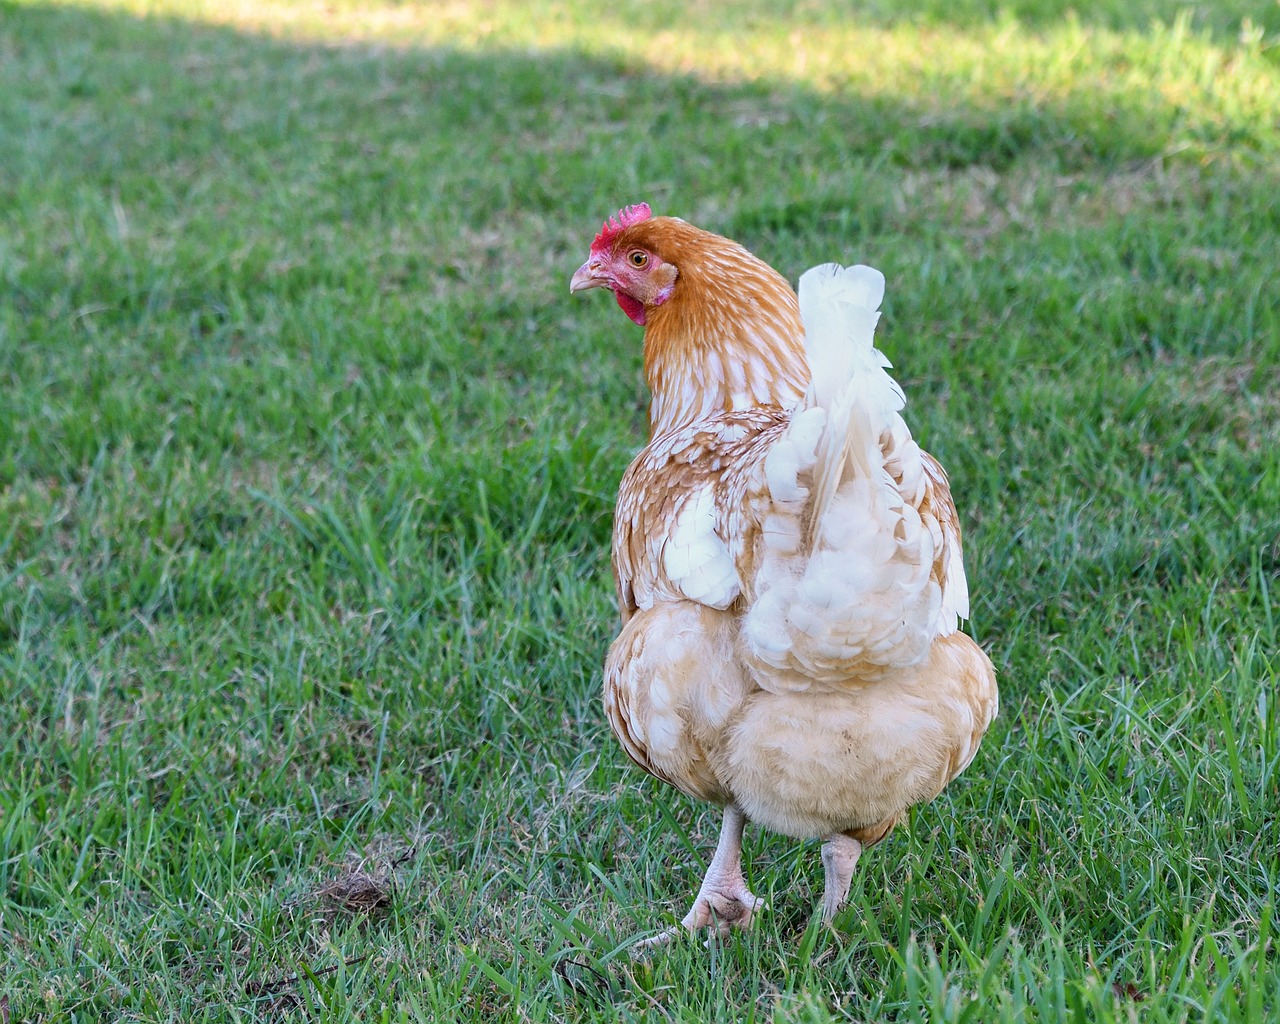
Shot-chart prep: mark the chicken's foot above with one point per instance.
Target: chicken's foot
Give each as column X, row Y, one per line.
column 840, row 855
column 723, row 902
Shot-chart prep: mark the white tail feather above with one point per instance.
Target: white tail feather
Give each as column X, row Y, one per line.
column 856, row 594
column 840, row 307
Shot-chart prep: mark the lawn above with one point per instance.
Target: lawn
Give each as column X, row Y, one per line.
column 307, row 460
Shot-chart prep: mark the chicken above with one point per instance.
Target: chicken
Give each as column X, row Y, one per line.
column 787, row 560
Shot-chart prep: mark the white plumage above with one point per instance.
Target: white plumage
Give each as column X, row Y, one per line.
column 695, row 559
column 859, row 595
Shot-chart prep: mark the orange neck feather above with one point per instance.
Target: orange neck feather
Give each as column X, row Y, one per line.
column 730, row 337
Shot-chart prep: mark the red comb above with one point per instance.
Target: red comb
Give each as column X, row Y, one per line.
column 622, row 220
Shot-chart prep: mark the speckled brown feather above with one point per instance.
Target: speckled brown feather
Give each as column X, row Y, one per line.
column 724, row 452
column 937, row 502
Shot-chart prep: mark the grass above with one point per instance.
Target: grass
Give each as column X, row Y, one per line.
column 306, row 471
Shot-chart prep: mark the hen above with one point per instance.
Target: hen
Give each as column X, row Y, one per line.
column 787, row 560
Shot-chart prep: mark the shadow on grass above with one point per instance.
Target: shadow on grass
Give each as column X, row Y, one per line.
column 223, row 127
column 234, row 242
column 150, row 162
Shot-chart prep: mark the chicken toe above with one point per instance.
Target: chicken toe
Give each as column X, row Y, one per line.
column 723, row 902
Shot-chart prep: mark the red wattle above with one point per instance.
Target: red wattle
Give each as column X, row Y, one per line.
column 634, row 308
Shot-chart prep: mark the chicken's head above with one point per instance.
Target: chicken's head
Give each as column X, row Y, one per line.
column 639, row 278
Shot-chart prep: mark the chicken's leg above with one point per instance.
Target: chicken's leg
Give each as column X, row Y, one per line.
column 724, row 902
column 840, row 855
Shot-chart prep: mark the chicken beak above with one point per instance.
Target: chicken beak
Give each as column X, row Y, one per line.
column 589, row 275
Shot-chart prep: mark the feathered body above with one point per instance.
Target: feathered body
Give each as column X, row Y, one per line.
column 787, row 558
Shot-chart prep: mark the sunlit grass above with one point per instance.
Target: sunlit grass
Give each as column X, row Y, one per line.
column 1176, row 78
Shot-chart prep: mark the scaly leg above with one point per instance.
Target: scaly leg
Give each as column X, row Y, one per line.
column 724, row 901
column 839, row 857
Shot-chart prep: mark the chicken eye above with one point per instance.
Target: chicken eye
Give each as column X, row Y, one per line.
column 638, row 258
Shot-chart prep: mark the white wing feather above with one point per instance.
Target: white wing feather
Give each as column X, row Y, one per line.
column 694, row 557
